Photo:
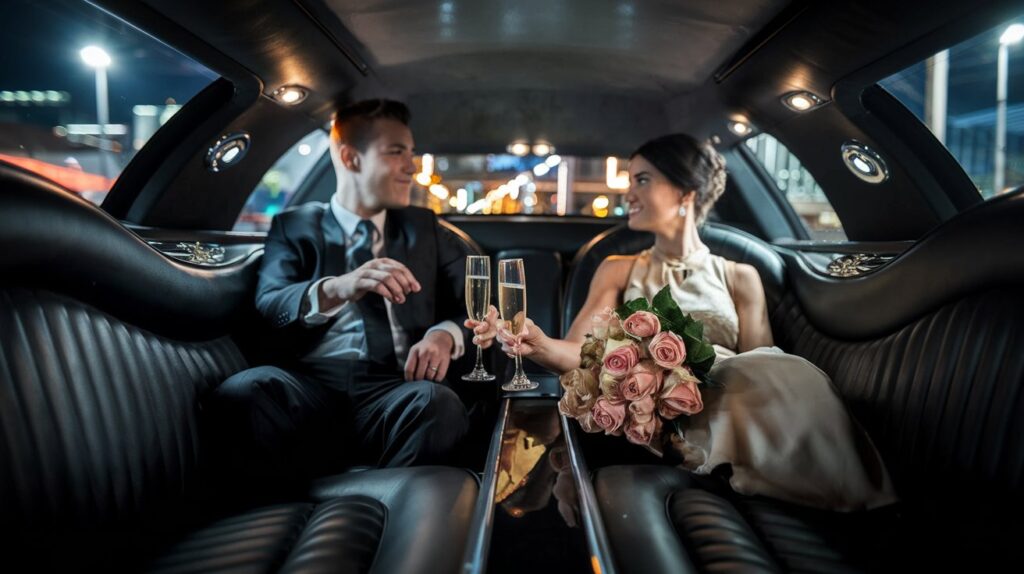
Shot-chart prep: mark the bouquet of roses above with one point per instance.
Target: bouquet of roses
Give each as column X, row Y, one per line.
column 641, row 368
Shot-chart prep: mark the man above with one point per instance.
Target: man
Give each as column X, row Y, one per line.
column 367, row 292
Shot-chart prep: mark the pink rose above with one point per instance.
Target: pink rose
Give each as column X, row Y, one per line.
column 642, row 324
column 642, row 381
column 609, row 416
column 621, row 360
column 680, row 395
column 641, row 411
column 667, row 350
column 642, row 433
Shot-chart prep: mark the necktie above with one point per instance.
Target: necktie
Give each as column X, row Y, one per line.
column 377, row 327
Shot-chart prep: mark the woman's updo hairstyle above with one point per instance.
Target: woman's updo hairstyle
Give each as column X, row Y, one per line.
column 689, row 165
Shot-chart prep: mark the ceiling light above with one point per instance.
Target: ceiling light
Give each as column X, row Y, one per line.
column 801, row 101
column 542, row 149
column 519, row 148
column 290, row 95
column 740, row 128
column 305, row 149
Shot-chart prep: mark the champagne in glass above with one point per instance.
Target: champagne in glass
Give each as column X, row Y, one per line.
column 478, row 300
column 512, row 304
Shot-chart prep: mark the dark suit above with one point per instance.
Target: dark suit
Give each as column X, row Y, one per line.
column 306, row 244
column 301, row 417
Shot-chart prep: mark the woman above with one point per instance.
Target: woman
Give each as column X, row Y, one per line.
column 776, row 418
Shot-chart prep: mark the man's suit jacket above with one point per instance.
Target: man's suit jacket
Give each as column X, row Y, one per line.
column 306, row 243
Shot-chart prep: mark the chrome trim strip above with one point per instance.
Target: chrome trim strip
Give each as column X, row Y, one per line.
column 597, row 538
column 479, row 540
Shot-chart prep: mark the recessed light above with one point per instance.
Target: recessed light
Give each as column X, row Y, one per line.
column 802, row 101
column 519, row 148
column 542, row 149
column 740, row 128
column 290, row 95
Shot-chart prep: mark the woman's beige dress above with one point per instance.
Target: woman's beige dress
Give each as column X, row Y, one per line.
column 776, row 418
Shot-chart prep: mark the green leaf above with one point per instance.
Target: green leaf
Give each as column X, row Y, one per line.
column 630, row 307
column 667, row 310
column 702, row 353
column 694, row 328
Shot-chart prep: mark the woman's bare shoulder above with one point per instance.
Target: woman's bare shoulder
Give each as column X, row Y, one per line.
column 614, row 269
column 746, row 281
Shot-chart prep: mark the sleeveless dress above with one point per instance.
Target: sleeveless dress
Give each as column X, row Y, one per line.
column 775, row 418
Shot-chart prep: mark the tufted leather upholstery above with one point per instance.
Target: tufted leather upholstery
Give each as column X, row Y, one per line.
column 723, row 240
column 100, row 418
column 108, row 352
column 343, row 533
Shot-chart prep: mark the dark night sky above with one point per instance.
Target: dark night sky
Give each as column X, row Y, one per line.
column 40, row 44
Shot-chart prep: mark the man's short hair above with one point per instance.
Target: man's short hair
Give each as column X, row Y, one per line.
column 353, row 123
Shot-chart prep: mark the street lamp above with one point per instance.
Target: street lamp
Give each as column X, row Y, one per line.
column 1012, row 35
column 99, row 60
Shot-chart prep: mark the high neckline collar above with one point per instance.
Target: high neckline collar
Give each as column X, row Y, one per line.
column 693, row 260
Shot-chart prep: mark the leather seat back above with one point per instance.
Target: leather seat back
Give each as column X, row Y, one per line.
column 543, row 290
column 926, row 353
column 106, row 350
column 723, row 240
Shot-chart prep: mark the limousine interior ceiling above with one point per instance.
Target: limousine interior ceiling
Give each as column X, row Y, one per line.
column 473, row 72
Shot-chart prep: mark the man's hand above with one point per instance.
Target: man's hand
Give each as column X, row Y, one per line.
column 429, row 358
column 384, row 276
column 484, row 331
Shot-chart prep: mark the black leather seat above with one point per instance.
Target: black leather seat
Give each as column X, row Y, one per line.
column 923, row 352
column 543, row 294
column 108, row 351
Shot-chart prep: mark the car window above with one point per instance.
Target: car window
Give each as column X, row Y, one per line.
column 478, row 184
column 971, row 96
column 277, row 186
column 527, row 184
column 796, row 183
column 81, row 92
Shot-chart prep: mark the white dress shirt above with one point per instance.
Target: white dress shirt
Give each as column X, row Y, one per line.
column 346, row 339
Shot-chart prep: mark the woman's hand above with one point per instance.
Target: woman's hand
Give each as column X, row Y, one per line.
column 529, row 341
column 484, row 331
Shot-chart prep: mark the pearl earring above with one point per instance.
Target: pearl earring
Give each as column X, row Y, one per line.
column 682, row 211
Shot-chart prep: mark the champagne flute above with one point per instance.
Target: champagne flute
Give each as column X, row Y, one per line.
column 512, row 302
column 478, row 301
